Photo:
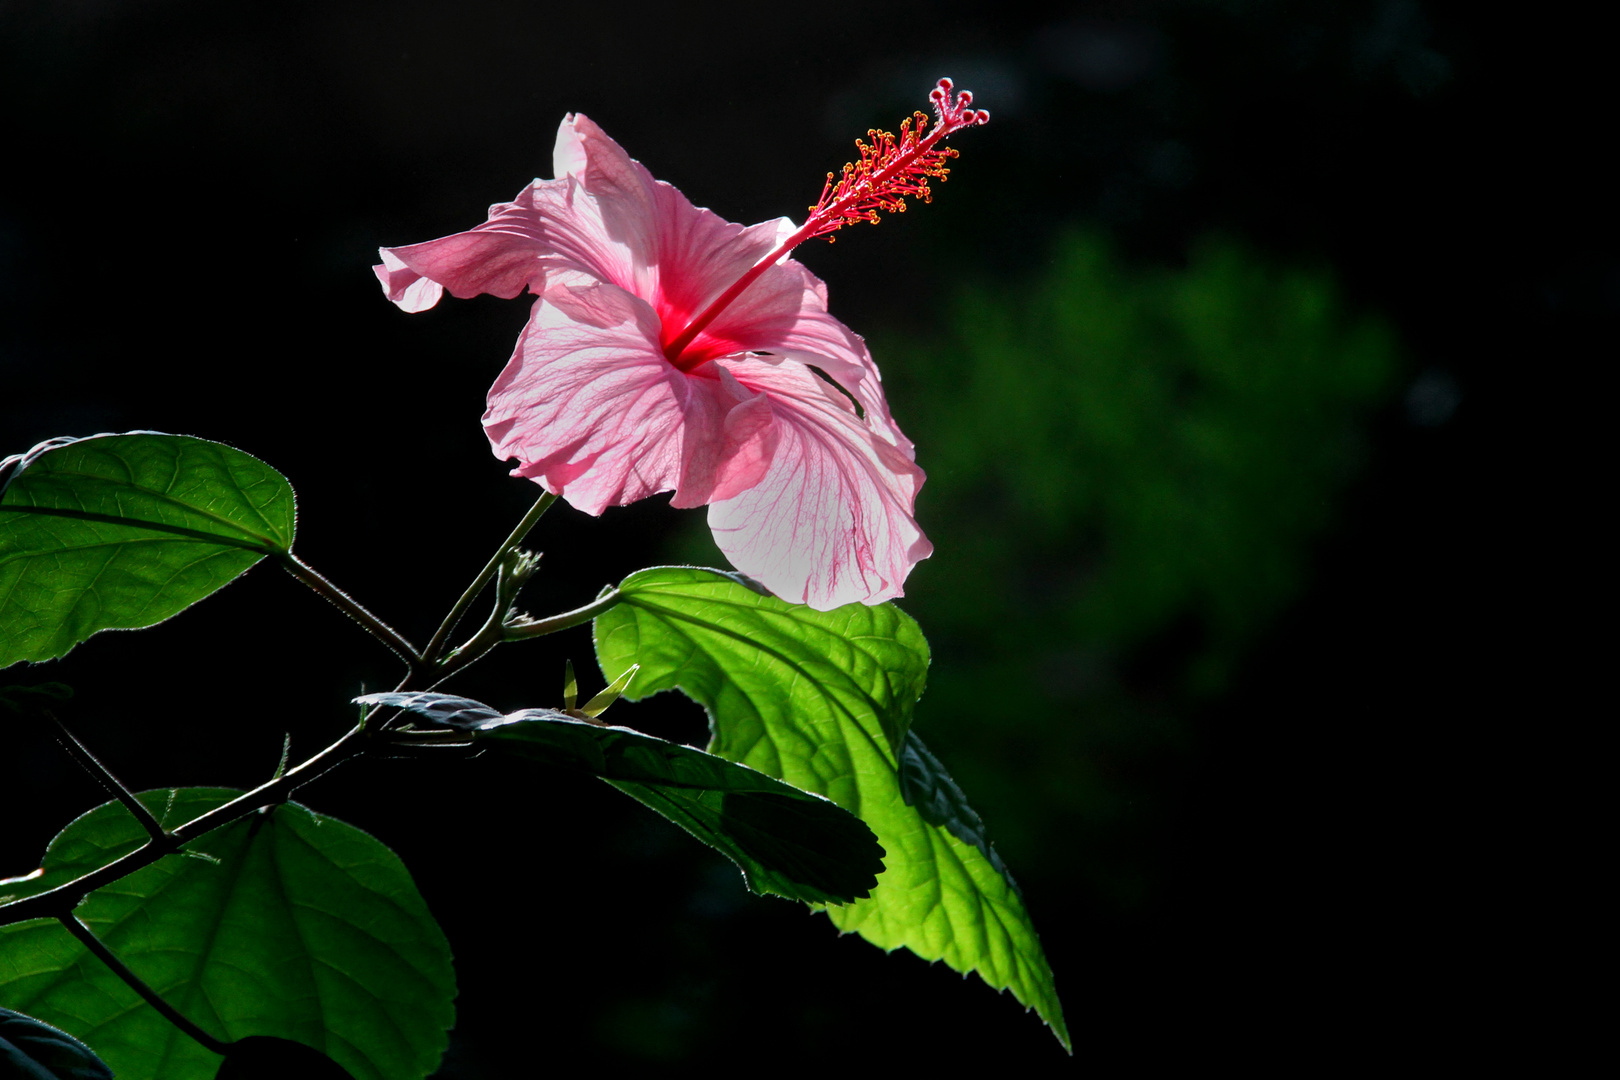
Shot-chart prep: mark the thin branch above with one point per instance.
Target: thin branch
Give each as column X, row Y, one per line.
column 76, row 927
column 515, row 571
column 61, row 900
column 441, row 637
column 276, row 790
column 92, row 765
column 539, row 627
column 476, row 647
column 378, row 629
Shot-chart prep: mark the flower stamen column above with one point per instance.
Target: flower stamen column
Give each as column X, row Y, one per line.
column 889, row 170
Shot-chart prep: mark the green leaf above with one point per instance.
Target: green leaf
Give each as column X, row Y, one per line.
column 284, row 923
column 824, row 700
column 786, row 842
column 929, row 789
column 124, row 531
column 30, row 1050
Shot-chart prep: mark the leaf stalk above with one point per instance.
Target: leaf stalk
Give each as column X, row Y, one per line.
column 351, row 607
column 529, row 628
column 92, row 765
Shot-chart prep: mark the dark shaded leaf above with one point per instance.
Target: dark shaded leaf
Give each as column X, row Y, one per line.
column 445, row 709
column 787, row 842
column 285, row 923
column 927, row 787
column 32, row 1050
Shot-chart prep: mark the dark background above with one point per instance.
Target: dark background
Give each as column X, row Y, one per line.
column 1349, row 846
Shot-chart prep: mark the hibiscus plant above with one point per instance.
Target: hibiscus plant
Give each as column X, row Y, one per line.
column 170, row 932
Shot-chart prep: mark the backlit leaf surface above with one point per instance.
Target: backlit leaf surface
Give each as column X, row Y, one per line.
column 824, row 701
column 124, row 531
column 285, row 923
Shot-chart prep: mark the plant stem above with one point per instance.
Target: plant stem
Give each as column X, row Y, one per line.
column 441, row 637
column 540, row 627
column 81, row 753
column 378, row 629
column 488, row 636
column 60, row 901
column 76, row 927
column 278, row 789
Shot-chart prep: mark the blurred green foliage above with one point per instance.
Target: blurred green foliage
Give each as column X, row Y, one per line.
column 1126, row 469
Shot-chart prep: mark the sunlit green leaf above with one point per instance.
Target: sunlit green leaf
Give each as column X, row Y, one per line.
column 785, row 841
column 285, row 923
column 824, row 701
column 30, row 1050
column 123, row 531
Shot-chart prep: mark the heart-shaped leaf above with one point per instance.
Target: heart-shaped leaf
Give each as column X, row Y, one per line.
column 124, row 531
column 284, row 923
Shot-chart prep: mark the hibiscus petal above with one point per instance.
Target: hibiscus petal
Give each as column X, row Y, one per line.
column 863, row 382
column 740, row 458
column 702, row 256
column 677, row 256
column 404, row 286
column 552, row 225
column 621, row 192
column 592, row 411
column 503, row 256
column 784, row 313
column 831, row 522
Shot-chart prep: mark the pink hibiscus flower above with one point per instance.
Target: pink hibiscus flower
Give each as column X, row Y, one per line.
column 670, row 350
